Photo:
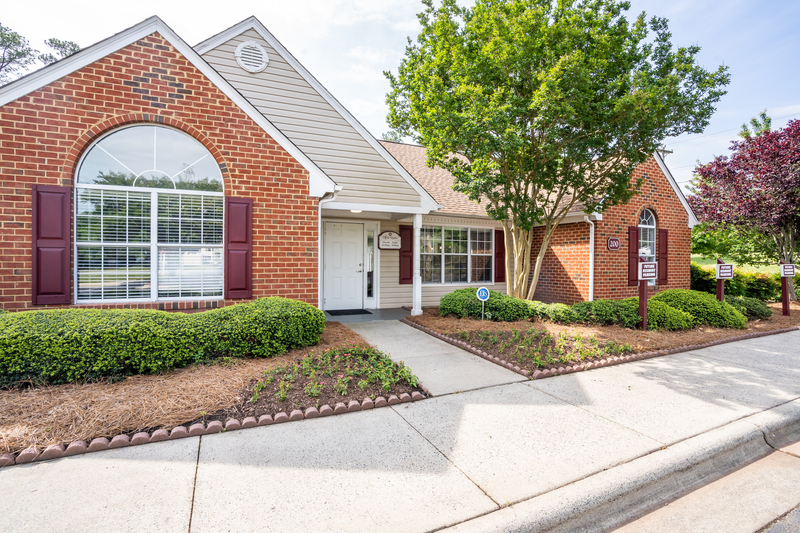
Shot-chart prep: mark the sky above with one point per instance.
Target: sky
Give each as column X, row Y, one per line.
column 347, row 44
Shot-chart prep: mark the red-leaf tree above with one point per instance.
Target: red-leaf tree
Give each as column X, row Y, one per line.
column 757, row 188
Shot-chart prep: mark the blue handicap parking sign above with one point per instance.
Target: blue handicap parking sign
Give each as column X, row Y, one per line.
column 483, row 294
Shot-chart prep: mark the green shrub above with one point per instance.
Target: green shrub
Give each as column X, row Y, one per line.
column 65, row 345
column 703, row 307
column 752, row 308
column 659, row 315
column 499, row 307
column 607, row 312
column 749, row 284
column 556, row 312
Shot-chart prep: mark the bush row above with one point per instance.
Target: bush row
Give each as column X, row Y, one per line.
column 673, row 309
column 65, row 345
column 746, row 284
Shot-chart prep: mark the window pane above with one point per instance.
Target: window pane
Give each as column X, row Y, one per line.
column 112, row 216
column 151, row 156
column 189, row 272
column 455, row 240
column 113, row 272
column 455, row 268
column 481, row 241
column 430, row 240
column 481, row 268
column 370, row 262
column 431, row 268
column 189, row 219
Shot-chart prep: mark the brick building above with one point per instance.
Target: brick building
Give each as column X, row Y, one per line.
column 142, row 172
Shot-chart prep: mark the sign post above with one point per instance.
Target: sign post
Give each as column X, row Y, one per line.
column 787, row 271
column 647, row 271
column 483, row 295
column 724, row 271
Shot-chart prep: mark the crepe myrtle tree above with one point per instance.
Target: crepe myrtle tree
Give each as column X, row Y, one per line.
column 537, row 107
column 756, row 189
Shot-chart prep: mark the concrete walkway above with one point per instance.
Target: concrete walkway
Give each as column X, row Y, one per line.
column 441, row 367
column 583, row 452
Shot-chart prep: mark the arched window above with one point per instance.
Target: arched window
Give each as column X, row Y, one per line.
column 148, row 218
column 647, row 237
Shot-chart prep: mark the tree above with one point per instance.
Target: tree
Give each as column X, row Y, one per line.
column 539, row 107
column 756, row 189
column 759, row 126
column 16, row 55
column 741, row 245
column 393, row 136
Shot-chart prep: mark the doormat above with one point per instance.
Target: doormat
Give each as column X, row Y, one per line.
column 343, row 312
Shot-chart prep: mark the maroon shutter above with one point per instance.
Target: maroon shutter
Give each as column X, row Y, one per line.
column 238, row 247
column 406, row 255
column 633, row 256
column 499, row 256
column 51, row 244
column 663, row 254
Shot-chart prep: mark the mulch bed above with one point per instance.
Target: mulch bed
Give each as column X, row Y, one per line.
column 61, row 414
column 596, row 342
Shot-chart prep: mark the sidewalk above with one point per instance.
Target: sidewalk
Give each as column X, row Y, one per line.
column 565, row 453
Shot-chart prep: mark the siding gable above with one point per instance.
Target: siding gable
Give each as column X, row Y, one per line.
column 296, row 108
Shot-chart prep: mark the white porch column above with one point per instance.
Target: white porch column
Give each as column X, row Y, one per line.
column 416, row 308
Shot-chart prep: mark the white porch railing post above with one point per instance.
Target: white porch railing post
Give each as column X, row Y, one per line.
column 416, row 308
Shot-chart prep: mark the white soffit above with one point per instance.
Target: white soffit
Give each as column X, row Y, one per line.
column 427, row 201
column 678, row 192
column 319, row 182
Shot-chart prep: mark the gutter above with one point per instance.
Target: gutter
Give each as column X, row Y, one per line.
column 591, row 257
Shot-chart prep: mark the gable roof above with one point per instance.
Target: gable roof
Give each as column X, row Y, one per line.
column 306, row 112
column 439, row 182
column 319, row 182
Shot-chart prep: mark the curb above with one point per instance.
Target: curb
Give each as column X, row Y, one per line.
column 57, row 451
column 613, row 497
column 608, row 361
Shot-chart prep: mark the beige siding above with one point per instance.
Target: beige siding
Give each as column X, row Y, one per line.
column 314, row 126
column 395, row 295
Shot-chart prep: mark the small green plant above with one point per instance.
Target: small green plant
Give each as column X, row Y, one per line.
column 283, row 390
column 341, row 384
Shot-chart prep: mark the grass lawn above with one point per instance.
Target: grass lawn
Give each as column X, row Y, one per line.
column 771, row 269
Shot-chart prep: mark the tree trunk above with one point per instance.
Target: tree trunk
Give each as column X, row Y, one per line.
column 509, row 251
column 787, row 247
column 520, row 246
column 548, row 234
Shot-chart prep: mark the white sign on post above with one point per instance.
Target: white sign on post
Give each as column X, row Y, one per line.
column 648, row 271
column 788, row 271
column 724, row 271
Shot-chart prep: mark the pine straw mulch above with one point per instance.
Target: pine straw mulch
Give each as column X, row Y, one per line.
column 62, row 414
column 640, row 341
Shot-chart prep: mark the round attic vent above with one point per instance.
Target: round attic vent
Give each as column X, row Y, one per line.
column 251, row 56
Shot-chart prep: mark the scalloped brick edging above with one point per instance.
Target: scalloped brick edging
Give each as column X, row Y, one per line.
column 56, row 451
column 608, row 361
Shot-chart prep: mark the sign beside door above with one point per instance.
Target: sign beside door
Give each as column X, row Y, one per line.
column 389, row 240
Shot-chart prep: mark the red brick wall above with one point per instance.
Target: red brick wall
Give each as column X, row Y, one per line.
column 565, row 272
column 564, row 276
column 45, row 132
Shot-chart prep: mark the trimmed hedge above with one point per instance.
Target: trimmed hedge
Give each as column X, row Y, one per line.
column 752, row 308
column 499, row 307
column 660, row 315
column 555, row 312
column 746, row 284
column 703, row 307
column 608, row 312
column 65, row 345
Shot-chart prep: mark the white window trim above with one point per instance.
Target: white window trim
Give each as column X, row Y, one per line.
column 153, row 245
column 654, row 227
column 469, row 254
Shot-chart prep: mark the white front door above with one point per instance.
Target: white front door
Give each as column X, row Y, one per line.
column 344, row 266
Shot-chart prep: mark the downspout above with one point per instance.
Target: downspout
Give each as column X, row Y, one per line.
column 327, row 197
column 591, row 258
